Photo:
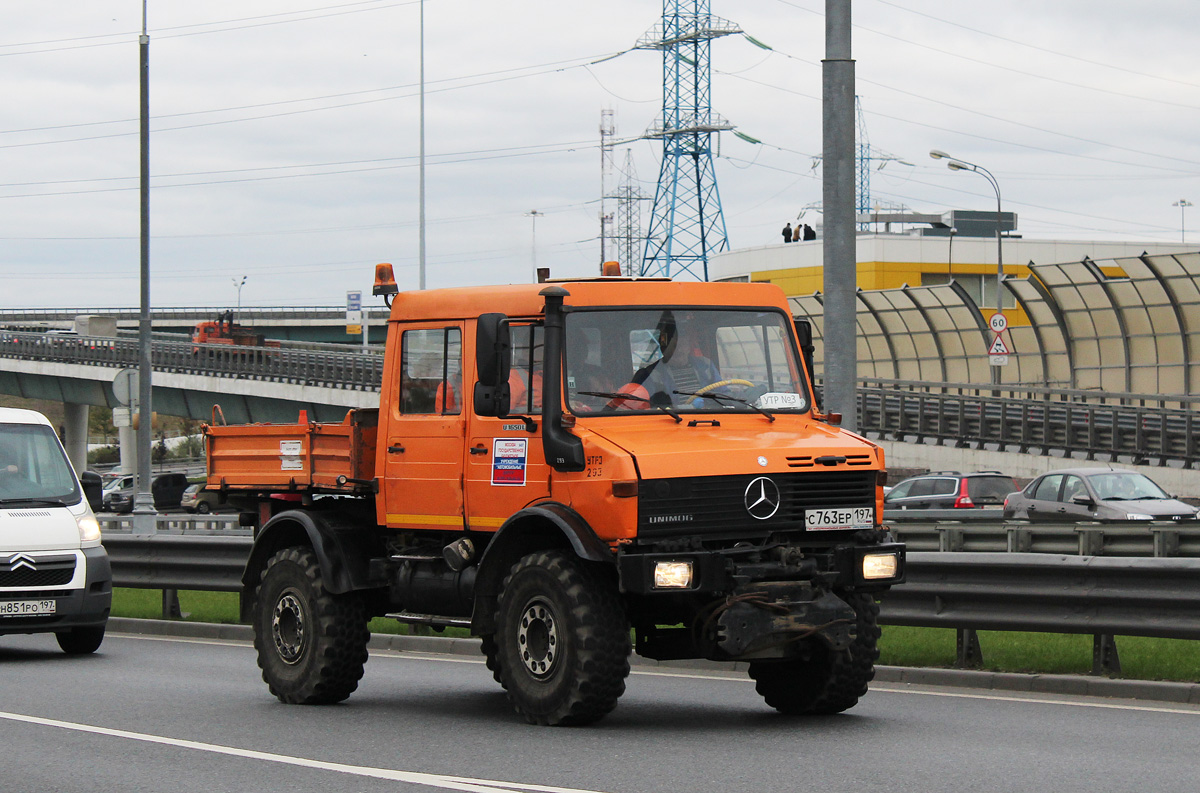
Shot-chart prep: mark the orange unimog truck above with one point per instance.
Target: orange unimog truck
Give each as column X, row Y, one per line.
column 556, row 466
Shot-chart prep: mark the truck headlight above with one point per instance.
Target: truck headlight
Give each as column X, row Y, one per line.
column 876, row 566
column 672, row 575
column 89, row 529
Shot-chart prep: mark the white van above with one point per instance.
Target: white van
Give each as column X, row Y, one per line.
column 54, row 574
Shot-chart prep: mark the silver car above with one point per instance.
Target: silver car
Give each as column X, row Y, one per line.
column 1075, row 494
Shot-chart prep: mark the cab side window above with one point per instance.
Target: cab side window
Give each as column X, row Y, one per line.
column 525, row 379
column 431, row 371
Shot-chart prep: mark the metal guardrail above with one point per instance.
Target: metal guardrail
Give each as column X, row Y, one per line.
column 1038, row 592
column 1154, row 539
column 967, row 591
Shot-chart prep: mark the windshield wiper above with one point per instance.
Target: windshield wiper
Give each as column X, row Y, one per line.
column 619, row 395
column 41, row 501
column 717, row 397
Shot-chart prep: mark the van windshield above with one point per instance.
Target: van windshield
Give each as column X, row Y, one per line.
column 33, row 466
column 681, row 359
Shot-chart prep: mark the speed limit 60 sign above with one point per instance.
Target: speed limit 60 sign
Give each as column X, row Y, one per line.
column 998, row 322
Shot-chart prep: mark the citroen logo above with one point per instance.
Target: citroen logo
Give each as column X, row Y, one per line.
column 19, row 560
column 762, row 498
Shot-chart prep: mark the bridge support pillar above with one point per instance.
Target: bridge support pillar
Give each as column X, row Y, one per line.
column 127, row 437
column 75, row 434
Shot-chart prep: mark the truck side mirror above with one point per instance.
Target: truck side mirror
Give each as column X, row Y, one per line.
column 493, row 362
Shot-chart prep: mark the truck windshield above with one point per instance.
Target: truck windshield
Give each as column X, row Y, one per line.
column 33, row 467
column 681, row 359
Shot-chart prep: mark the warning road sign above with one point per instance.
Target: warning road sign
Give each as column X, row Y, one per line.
column 998, row 346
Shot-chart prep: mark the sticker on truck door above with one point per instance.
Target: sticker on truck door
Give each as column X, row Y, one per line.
column 509, row 456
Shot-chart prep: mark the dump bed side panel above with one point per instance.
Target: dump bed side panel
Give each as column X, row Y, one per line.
column 290, row 457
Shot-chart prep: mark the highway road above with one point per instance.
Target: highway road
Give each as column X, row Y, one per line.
column 191, row 716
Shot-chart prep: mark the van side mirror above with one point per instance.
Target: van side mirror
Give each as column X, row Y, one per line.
column 93, row 489
column 493, row 362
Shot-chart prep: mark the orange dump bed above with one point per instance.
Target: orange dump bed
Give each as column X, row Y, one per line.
column 294, row 457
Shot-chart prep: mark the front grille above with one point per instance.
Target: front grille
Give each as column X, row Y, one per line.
column 716, row 505
column 54, row 571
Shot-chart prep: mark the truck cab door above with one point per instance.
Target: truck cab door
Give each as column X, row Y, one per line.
column 506, row 468
column 424, row 437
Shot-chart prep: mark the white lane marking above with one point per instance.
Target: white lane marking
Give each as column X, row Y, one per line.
column 411, row 777
column 1039, row 701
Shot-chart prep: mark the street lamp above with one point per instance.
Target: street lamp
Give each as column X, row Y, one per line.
column 1183, row 204
column 533, row 215
column 955, row 164
column 238, row 285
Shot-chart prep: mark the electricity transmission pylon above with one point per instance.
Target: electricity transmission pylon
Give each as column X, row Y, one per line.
column 687, row 223
column 629, row 217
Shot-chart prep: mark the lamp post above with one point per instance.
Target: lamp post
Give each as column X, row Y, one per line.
column 956, row 164
column 1183, row 204
column 238, row 285
column 533, row 215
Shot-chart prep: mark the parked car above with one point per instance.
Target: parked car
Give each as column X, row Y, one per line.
column 197, row 499
column 950, row 490
column 114, row 483
column 1074, row 494
column 166, row 489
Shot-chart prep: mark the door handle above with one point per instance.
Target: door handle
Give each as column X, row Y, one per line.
column 396, row 449
column 479, row 450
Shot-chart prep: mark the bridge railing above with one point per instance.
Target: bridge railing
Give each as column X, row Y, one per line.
column 1132, row 427
column 347, row 368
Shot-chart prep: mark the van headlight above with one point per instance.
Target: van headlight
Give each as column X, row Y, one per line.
column 89, row 529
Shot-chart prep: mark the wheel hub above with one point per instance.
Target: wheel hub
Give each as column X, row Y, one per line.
column 537, row 639
column 288, row 628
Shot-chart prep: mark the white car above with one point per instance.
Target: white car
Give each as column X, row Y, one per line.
column 54, row 573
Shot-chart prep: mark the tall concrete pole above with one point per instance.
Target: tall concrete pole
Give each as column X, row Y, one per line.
column 840, row 259
column 143, row 502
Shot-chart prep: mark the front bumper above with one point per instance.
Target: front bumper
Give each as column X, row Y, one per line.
column 716, row 572
column 85, row 606
column 736, row 608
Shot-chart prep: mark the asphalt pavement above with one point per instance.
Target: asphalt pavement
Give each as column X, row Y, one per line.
column 1080, row 685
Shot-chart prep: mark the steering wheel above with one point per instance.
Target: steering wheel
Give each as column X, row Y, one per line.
column 719, row 383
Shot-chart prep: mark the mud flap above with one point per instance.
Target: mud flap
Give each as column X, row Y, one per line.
column 777, row 620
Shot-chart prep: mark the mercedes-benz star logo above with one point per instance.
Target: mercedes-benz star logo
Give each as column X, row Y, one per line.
column 762, row 498
column 19, row 560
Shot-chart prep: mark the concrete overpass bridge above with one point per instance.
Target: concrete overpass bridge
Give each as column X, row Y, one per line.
column 249, row 384
column 325, row 324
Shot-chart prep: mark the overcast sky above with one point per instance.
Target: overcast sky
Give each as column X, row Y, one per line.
column 284, row 136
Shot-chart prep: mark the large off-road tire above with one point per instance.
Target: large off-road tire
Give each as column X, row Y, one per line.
column 80, row 641
column 491, row 651
column 828, row 681
column 562, row 639
column 311, row 644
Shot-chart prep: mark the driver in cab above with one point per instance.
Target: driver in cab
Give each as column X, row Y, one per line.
column 681, row 367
